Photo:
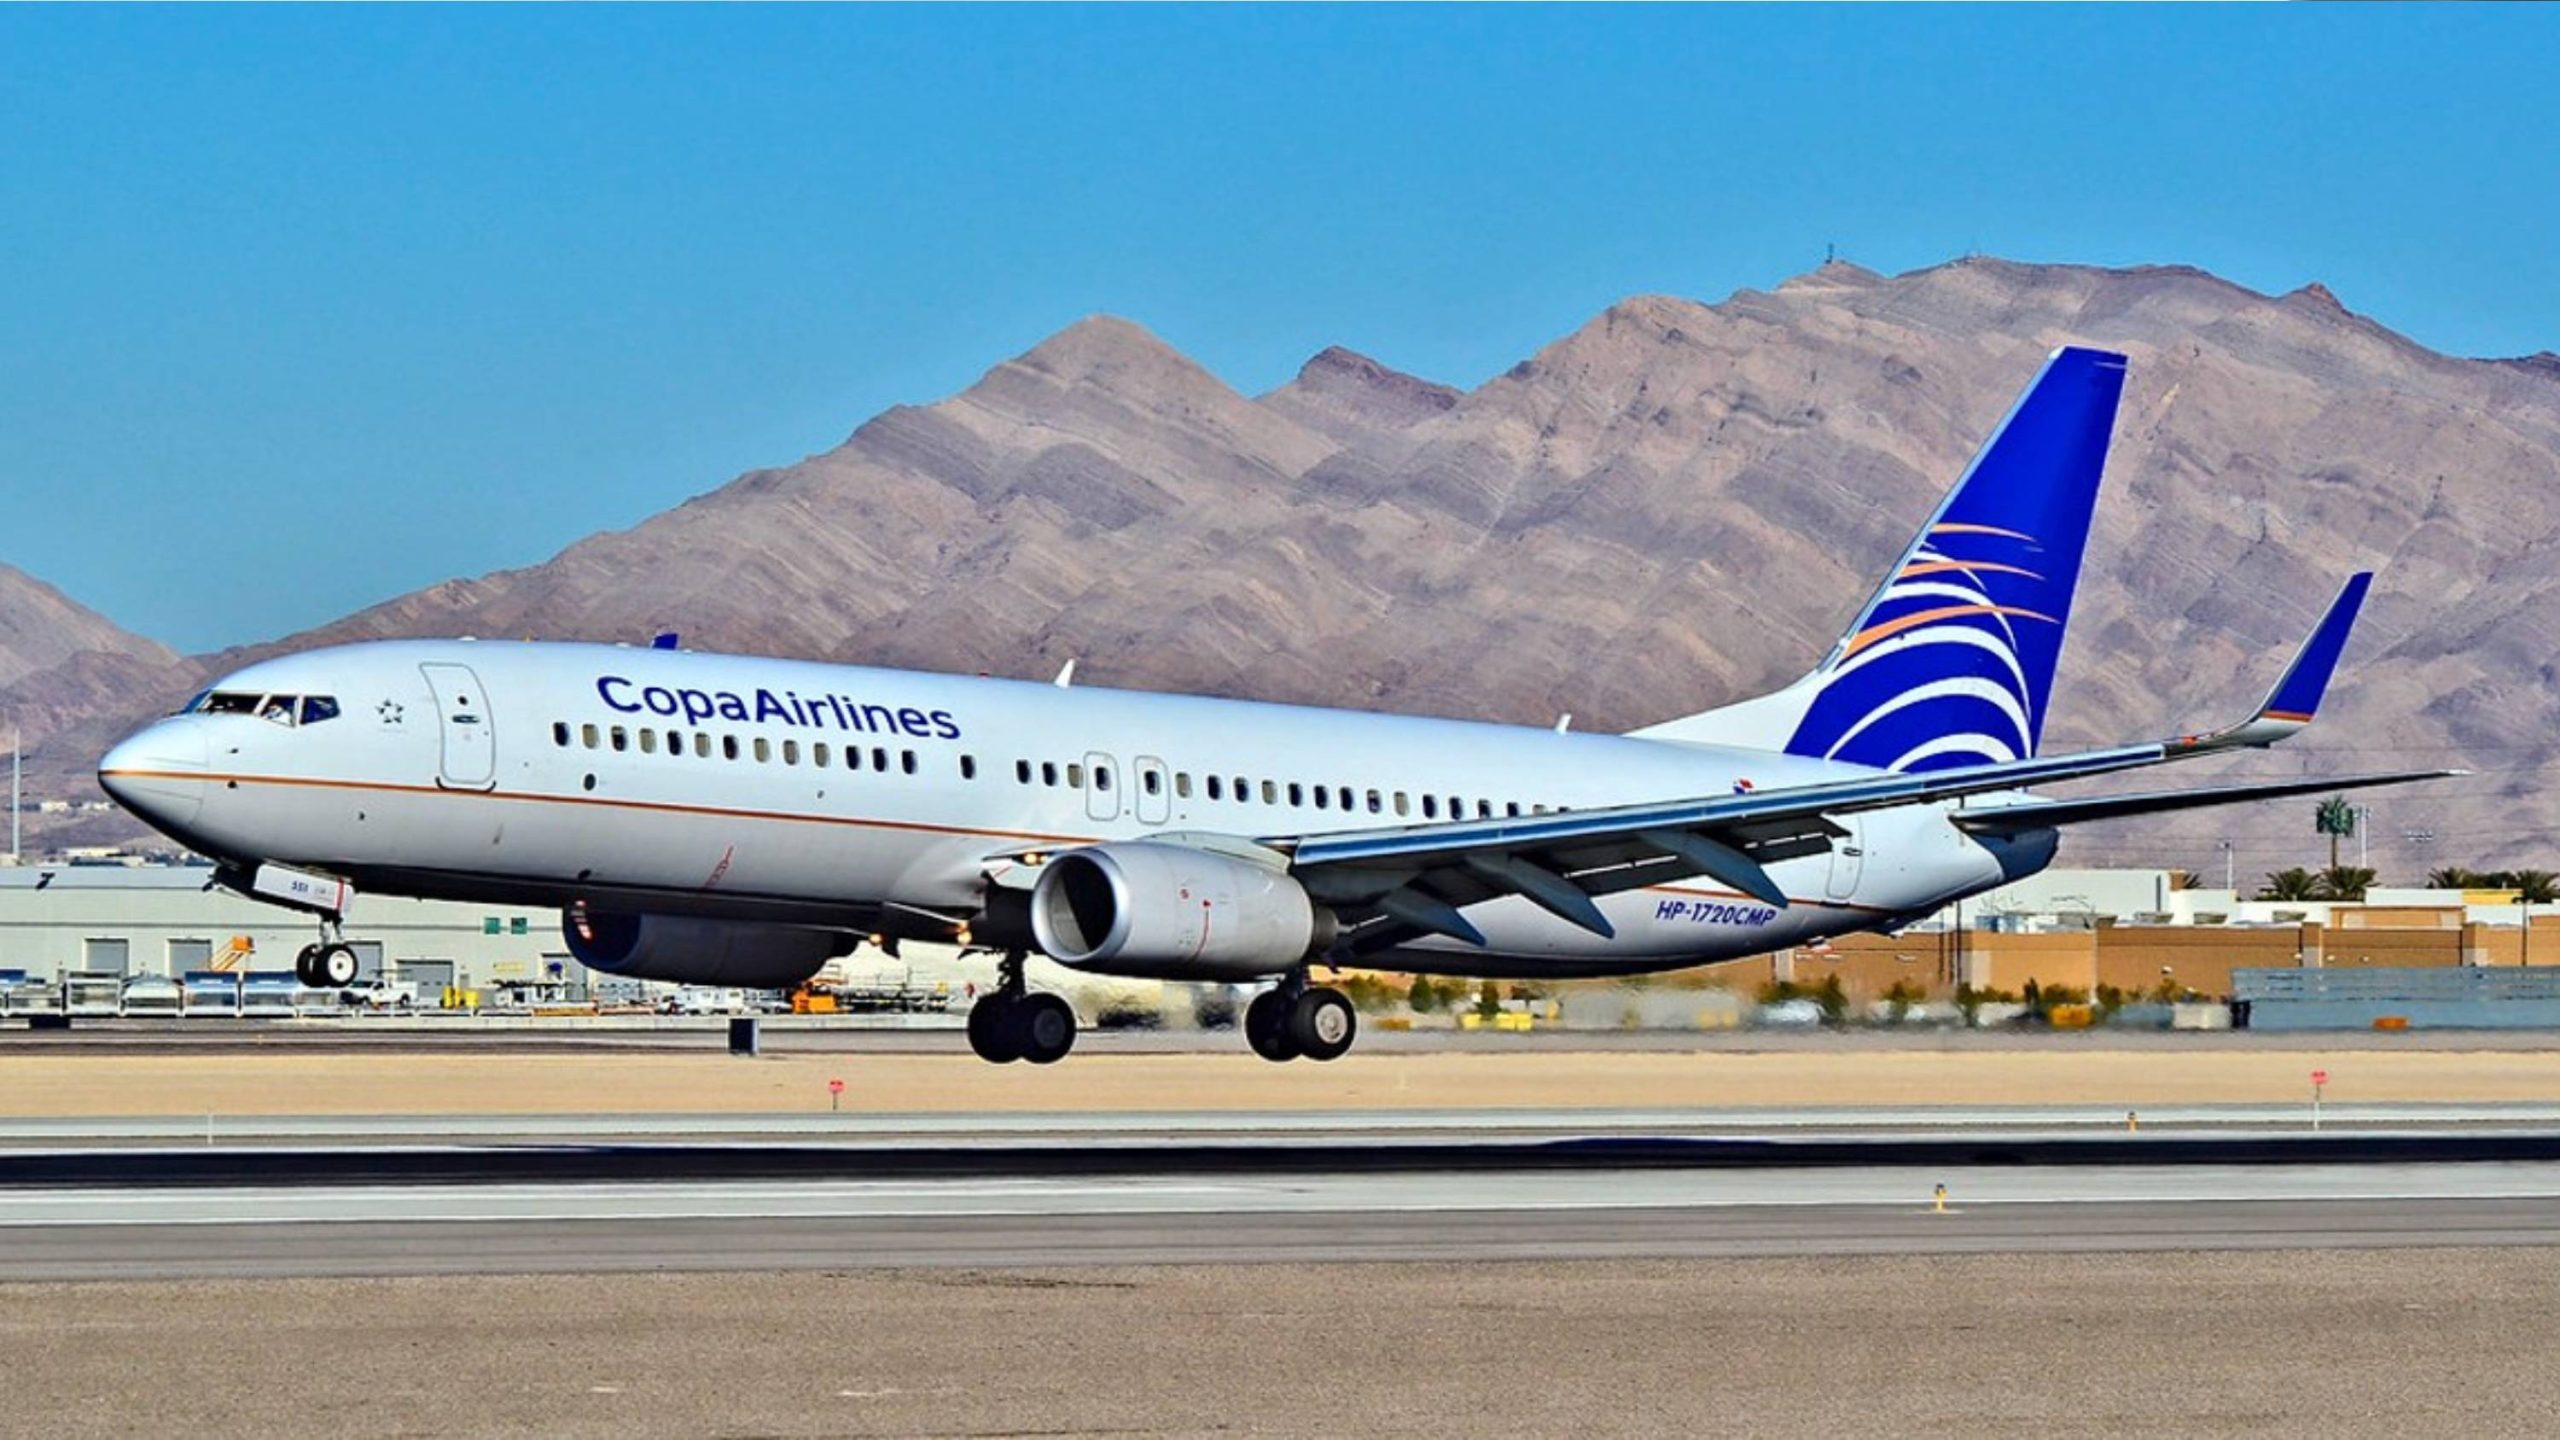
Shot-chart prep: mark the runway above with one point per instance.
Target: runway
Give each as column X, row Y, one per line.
column 1517, row 1186
column 1392, row 1289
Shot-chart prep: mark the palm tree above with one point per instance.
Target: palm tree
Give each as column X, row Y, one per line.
column 2535, row 887
column 2453, row 877
column 2294, row 884
column 2343, row 882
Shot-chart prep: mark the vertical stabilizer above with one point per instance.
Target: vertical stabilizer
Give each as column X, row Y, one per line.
column 1951, row 660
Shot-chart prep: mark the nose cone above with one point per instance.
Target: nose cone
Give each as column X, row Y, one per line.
column 158, row 772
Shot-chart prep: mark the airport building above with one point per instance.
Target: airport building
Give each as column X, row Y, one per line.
column 2145, row 933
column 124, row 923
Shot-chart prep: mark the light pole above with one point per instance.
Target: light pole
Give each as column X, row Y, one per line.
column 2228, row 881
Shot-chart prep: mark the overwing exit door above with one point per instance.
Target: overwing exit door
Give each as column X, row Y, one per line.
column 462, row 719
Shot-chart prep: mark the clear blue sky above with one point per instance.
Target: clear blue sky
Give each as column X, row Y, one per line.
column 300, row 309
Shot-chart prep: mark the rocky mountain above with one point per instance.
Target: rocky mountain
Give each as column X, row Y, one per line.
column 1676, row 504
column 40, row 627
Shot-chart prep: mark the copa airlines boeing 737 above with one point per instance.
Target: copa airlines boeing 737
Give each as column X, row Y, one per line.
column 729, row 820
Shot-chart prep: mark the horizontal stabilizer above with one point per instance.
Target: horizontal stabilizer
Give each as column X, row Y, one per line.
column 2046, row 814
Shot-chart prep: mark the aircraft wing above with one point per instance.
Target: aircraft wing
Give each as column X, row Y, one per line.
column 2042, row 814
column 1396, row 884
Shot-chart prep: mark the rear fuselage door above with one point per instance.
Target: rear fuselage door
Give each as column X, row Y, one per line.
column 1848, row 860
column 462, row 718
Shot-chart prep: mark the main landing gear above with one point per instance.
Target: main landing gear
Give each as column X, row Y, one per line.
column 1295, row 1020
column 329, row 965
column 1012, row 1023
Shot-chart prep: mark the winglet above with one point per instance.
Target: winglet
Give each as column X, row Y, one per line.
column 2296, row 697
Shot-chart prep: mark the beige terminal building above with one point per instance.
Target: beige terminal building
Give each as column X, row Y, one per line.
column 2131, row 929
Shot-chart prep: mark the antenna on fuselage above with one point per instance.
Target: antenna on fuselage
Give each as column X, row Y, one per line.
column 1066, row 675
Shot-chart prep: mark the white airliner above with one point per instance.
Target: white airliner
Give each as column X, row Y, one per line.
column 729, row 820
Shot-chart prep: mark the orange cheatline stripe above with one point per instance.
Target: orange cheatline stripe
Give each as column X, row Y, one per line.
column 2294, row 716
column 1954, row 528
column 1897, row 625
column 382, row 787
column 598, row 801
column 1933, row 567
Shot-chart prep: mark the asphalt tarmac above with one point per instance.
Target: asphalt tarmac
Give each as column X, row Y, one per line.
column 2373, row 1298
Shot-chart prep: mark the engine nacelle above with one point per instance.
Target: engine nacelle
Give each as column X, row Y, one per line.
column 1173, row 912
column 699, row 952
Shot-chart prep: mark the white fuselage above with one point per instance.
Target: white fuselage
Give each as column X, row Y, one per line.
column 561, row 773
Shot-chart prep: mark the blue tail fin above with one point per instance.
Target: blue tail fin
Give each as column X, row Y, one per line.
column 1951, row 661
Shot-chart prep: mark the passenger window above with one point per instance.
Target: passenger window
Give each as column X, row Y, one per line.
column 621, row 738
column 907, row 761
column 1376, row 806
column 1513, row 809
column 1244, row 788
column 1075, row 776
column 820, row 754
column 587, row 733
column 729, row 747
column 1101, row 777
column 1345, row 793
column 764, row 751
column 1430, row 806
column 702, row 744
column 316, row 708
column 1321, row 795
column 1401, row 807
column 648, row 742
column 1049, row 773
column 560, row 733
column 675, row 744
column 1021, row 772
column 1484, row 809
column 1297, row 793
column 1151, row 781
column 1213, row 789
column 790, row 752
column 1270, row 792
column 880, row 758
column 968, row 767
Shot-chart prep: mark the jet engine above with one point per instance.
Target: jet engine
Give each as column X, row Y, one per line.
column 1173, row 912
column 699, row 952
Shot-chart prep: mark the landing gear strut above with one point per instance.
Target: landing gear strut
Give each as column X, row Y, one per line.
column 328, row 965
column 1011, row 1023
column 1294, row 1020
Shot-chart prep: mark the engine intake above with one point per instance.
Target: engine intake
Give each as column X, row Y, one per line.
column 1172, row 912
column 699, row 952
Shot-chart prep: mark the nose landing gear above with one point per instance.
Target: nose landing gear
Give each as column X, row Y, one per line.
column 1010, row 1023
column 328, row 965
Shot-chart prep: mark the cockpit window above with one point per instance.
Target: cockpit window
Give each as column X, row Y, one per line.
column 279, row 709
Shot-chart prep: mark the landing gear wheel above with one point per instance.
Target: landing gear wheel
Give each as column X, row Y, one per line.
column 1266, row 1026
column 306, row 966
column 992, row 1031
column 335, row 966
column 1044, row 1028
column 1322, row 1024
